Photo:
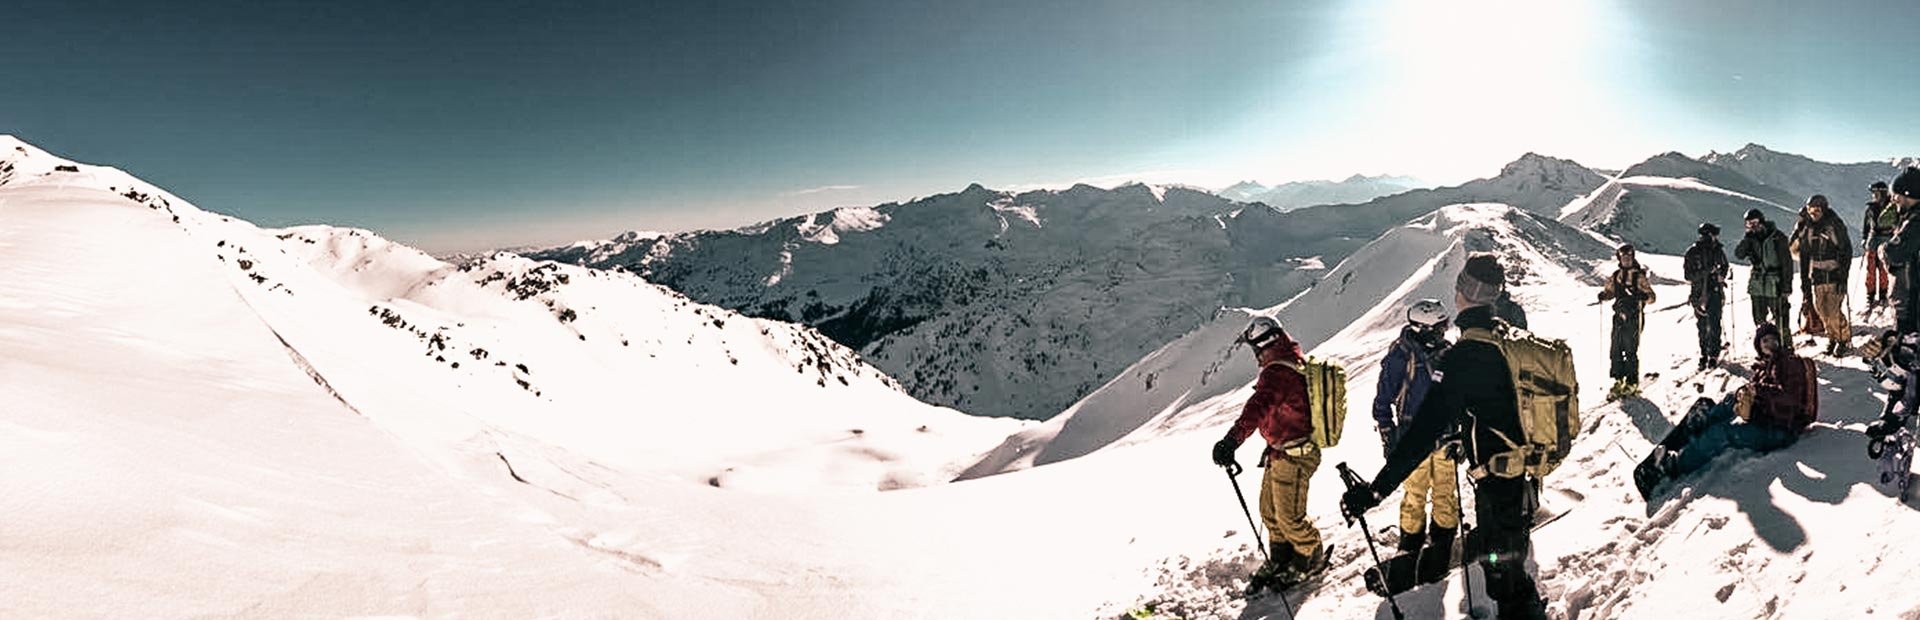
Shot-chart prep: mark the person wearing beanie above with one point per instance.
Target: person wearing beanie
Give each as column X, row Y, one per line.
column 1630, row 292
column 1826, row 255
column 1881, row 217
column 1706, row 270
column 1768, row 258
column 1473, row 392
column 1901, row 252
column 1769, row 413
column 1278, row 410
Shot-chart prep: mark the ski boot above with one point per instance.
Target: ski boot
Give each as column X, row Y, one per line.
column 1648, row 475
column 1436, row 560
column 1280, row 558
column 1618, row 391
column 1307, row 568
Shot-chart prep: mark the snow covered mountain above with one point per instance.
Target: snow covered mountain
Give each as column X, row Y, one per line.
column 1018, row 305
column 1659, row 204
column 1845, row 185
column 1296, row 194
column 210, row 419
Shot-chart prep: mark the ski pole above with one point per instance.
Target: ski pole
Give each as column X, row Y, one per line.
column 1466, row 569
column 1352, row 480
column 1233, row 473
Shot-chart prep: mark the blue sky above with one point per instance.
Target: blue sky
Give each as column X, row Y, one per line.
column 469, row 125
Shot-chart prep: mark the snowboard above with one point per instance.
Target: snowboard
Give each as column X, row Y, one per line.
column 1401, row 572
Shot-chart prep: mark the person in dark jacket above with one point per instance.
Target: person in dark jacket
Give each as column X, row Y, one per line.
column 1766, row 252
column 1877, row 226
column 1902, row 250
column 1506, row 309
column 1405, row 376
column 1630, row 291
column 1771, row 410
column 1473, row 395
column 1278, row 409
column 1826, row 255
column 1706, row 271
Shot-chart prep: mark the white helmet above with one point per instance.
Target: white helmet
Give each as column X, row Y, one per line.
column 1427, row 313
column 1260, row 332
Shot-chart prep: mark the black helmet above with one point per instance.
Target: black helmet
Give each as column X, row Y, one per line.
column 1754, row 214
column 1878, row 186
column 1708, row 229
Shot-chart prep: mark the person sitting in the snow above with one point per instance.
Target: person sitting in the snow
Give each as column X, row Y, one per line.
column 1768, row 413
column 1278, row 409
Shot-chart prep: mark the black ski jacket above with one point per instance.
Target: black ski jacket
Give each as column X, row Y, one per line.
column 1706, row 271
column 1472, row 391
column 1902, row 252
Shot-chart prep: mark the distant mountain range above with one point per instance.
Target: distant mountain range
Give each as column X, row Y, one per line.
column 1019, row 304
column 1297, row 194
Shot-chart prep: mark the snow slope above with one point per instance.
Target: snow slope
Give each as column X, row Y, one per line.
column 1801, row 533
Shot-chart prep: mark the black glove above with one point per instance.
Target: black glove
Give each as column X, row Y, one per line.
column 1223, row 453
column 1358, row 500
column 1388, row 435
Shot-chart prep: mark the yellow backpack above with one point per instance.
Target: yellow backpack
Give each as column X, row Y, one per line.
column 1326, row 399
column 1547, row 394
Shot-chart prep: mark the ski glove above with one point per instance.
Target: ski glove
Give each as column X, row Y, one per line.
column 1358, row 500
column 1223, row 453
column 1388, row 435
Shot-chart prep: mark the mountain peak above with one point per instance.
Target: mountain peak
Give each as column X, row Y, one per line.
column 1535, row 163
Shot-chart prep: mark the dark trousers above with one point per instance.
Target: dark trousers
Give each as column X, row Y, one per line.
column 1627, row 323
column 1774, row 306
column 1502, row 540
column 1707, row 315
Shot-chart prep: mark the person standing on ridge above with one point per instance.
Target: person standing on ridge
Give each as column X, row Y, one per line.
column 1278, row 409
column 1707, row 273
column 1473, row 394
column 1630, row 292
column 1406, row 374
column 1902, row 250
column 1765, row 250
column 1878, row 225
column 1826, row 255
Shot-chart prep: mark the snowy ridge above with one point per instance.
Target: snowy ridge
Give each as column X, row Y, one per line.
column 1191, row 383
column 1658, row 204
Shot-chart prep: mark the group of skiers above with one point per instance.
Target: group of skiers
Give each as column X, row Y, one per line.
column 1501, row 402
